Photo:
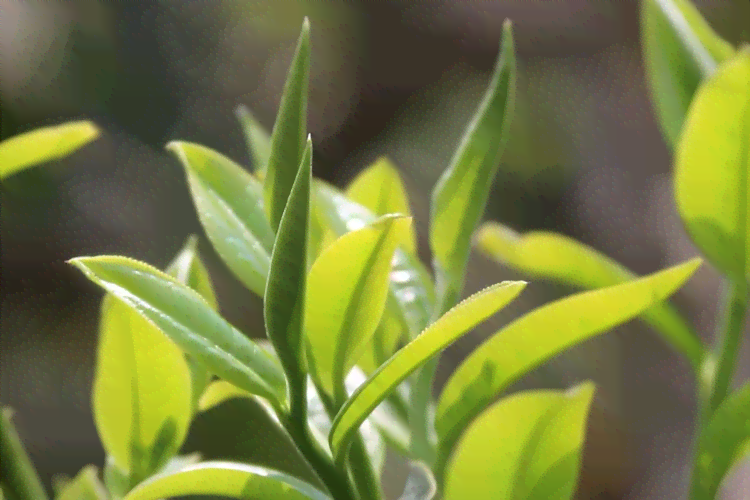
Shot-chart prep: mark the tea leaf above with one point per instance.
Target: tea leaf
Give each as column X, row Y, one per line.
column 228, row 479
column 712, row 162
column 525, row 447
column 346, row 295
column 680, row 49
column 420, row 485
column 183, row 315
column 556, row 257
column 142, row 393
column 460, row 196
column 44, row 144
column 19, row 477
column 229, row 205
column 380, row 189
column 540, row 335
column 85, row 486
column 432, row 341
column 257, row 138
column 289, row 132
column 284, row 300
column 723, row 442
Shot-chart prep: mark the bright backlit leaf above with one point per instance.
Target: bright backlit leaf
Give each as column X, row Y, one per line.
column 460, row 196
column 284, row 300
column 258, row 140
column 722, row 444
column 85, row 486
column 380, row 189
column 43, row 145
column 229, row 204
column 346, row 294
column 185, row 317
column 142, row 396
column 680, row 49
column 226, row 479
column 540, row 335
column 556, row 257
column 712, row 168
column 525, row 447
column 439, row 335
column 289, row 132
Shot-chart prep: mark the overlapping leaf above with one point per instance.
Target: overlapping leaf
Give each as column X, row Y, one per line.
column 526, row 447
column 257, row 138
column 540, row 335
column 85, row 486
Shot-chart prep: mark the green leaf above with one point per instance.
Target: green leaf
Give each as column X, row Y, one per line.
column 539, row 336
column 257, row 138
column 19, row 477
column 420, row 485
column 141, row 395
column 712, row 165
column 460, row 196
column 680, row 49
column 380, row 189
column 284, row 300
column 722, row 444
column 556, row 257
column 185, row 317
column 228, row 479
column 43, row 145
column 85, row 486
column 289, row 132
column 525, row 447
column 346, row 295
column 439, row 335
column 230, row 207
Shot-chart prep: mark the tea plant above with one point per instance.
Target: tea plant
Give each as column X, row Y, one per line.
column 355, row 323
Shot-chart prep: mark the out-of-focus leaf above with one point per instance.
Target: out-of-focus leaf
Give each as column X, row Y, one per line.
column 380, row 189
column 420, row 485
column 384, row 343
column 185, row 317
column 722, row 443
column 44, row 144
column 258, row 140
column 526, row 447
column 19, row 477
column 537, row 337
column 712, row 168
column 556, row 257
column 85, row 486
column 432, row 341
column 284, row 300
column 346, row 295
column 460, row 196
column 230, row 207
column 680, row 49
column 228, row 479
column 142, row 394
column 289, row 132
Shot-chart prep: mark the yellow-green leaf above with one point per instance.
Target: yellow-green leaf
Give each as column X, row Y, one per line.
column 185, row 317
column 712, row 168
column 439, row 335
column 346, row 295
column 556, row 257
column 680, row 50
column 289, row 132
column 723, row 442
column 141, row 394
column 44, row 144
column 540, row 335
column 525, row 447
column 85, row 486
column 257, row 138
column 230, row 207
column 226, row 479
column 460, row 196
column 380, row 189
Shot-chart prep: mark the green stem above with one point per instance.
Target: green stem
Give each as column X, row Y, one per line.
column 18, row 473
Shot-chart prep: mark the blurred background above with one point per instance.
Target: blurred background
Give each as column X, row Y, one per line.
column 398, row 78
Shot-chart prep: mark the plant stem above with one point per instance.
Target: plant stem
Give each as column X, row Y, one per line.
column 17, row 470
